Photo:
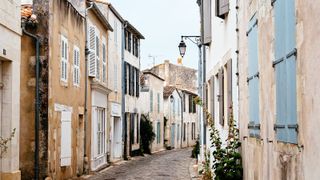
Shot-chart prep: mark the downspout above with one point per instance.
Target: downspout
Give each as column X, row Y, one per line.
column 37, row 104
column 124, row 131
column 85, row 157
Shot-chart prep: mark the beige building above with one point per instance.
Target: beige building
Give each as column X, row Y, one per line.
column 99, row 115
column 61, row 100
column 10, row 49
column 151, row 104
column 279, row 106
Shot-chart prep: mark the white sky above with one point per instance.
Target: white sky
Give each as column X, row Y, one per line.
column 162, row 22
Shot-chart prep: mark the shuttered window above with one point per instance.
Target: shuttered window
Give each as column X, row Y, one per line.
column 65, row 152
column 212, row 96
column 206, row 11
column 222, row 8
column 104, row 61
column 92, row 49
column 158, row 102
column 221, row 96
column 64, row 59
column 158, row 133
column 76, row 66
column 115, row 77
column 125, row 78
column 151, row 100
column 285, row 69
column 97, row 54
column 229, row 88
column 253, row 78
column 137, row 83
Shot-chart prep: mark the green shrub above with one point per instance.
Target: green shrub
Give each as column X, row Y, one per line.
column 196, row 149
column 146, row 134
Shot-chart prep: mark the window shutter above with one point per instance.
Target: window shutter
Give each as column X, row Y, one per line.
column 223, row 7
column 212, row 96
column 221, row 97
column 253, row 78
column 97, row 54
column 285, row 66
column 206, row 10
column 104, row 61
column 229, row 87
column 115, row 80
column 64, row 59
column 190, row 103
column 137, row 83
column 76, row 66
column 92, row 48
column 151, row 100
column 129, row 79
column 65, row 154
column 125, row 78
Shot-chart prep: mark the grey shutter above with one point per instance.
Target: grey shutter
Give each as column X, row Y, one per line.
column 229, row 87
column 206, row 8
column 125, row 78
column 137, row 82
column 212, row 94
column 223, row 7
column 221, row 97
column 92, row 48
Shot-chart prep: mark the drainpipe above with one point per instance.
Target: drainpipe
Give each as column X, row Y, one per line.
column 124, row 131
column 86, row 90
column 37, row 104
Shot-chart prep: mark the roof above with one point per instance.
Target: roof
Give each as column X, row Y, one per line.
column 188, row 92
column 151, row 73
column 101, row 17
column 115, row 12
column 133, row 30
column 167, row 91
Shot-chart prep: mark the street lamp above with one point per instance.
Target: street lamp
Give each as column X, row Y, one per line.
column 182, row 48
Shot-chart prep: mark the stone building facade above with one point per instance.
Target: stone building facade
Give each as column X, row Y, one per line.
column 10, row 55
column 61, row 89
column 278, row 80
column 151, row 104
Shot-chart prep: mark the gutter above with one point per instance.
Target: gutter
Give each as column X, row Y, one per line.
column 37, row 104
column 85, row 157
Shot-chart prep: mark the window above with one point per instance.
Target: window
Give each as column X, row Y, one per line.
column 97, row 54
column 132, row 127
column 253, row 78
column 158, row 102
column 104, row 61
column 64, row 59
column 222, row 8
column 151, row 100
column 178, row 132
column 212, row 96
column 229, row 88
column 129, row 42
column 137, row 82
column 101, row 130
column 221, row 96
column 76, row 66
column 66, row 134
column 207, row 14
column 286, row 126
column 184, row 131
column 184, row 102
column 137, row 132
column 158, row 133
column 125, row 78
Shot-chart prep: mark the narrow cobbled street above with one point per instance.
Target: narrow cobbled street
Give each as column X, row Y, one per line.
column 173, row 164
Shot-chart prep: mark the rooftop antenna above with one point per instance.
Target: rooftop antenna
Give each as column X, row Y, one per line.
column 154, row 58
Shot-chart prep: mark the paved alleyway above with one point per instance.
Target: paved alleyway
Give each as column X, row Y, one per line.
column 173, row 164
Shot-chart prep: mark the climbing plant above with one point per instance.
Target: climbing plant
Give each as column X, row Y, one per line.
column 226, row 159
column 4, row 143
column 146, row 134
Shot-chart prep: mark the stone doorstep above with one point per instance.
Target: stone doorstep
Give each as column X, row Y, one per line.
column 15, row 175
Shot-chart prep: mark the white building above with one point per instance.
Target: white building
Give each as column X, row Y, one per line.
column 131, row 92
column 220, row 25
column 151, row 103
column 10, row 48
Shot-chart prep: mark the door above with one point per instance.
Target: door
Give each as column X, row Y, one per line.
column 117, row 137
column 172, row 135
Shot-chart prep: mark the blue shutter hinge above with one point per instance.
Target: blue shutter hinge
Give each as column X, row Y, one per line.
column 279, row 126
column 253, row 126
column 277, row 62
column 294, row 126
column 272, row 2
column 255, row 23
column 292, row 53
column 248, row 31
column 253, row 76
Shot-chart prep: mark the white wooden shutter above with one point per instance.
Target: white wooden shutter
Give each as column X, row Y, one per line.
column 64, row 59
column 76, row 66
column 65, row 153
column 115, row 77
column 104, row 61
column 97, row 54
column 92, row 48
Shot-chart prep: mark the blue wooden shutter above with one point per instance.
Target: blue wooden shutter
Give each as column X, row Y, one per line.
column 253, row 78
column 285, row 67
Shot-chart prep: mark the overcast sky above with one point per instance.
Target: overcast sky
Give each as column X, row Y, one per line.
column 162, row 22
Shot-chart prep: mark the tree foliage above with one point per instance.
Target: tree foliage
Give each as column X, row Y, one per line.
column 146, row 134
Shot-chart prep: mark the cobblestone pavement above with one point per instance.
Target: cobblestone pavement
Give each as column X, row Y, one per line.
column 166, row 165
